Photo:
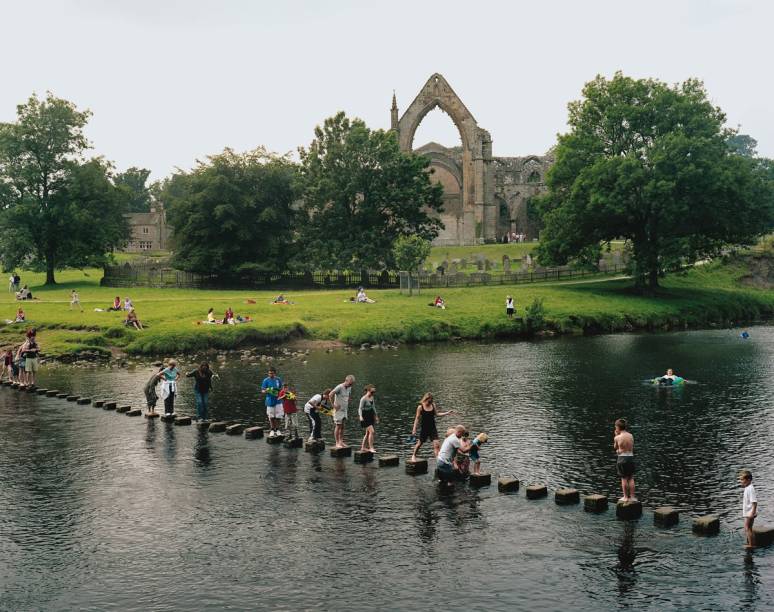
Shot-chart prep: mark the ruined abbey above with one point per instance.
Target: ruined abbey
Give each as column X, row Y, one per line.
column 485, row 197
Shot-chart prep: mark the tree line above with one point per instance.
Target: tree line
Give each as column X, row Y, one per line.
column 642, row 161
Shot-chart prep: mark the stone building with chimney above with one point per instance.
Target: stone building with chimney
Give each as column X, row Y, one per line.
column 149, row 231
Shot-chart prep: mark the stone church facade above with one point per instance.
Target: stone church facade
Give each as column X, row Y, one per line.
column 485, row 197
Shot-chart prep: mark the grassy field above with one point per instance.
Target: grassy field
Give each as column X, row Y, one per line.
column 708, row 294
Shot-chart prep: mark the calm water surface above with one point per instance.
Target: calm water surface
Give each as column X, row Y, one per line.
column 100, row 511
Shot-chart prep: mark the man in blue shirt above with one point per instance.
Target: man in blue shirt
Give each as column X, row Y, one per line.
column 270, row 388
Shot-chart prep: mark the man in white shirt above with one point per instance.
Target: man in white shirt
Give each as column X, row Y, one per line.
column 749, row 506
column 450, row 446
column 310, row 408
column 339, row 398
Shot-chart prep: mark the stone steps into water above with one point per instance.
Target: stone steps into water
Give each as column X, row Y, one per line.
column 134, row 412
column 235, row 430
column 537, row 491
column 666, row 516
column 415, row 468
column 183, row 420
column 595, row 503
column 566, row 496
column 342, row 451
column 480, row 480
column 706, row 525
column 253, row 433
column 628, row 510
column 83, row 401
column 122, row 409
column 389, row 460
column 507, row 484
column 363, row 457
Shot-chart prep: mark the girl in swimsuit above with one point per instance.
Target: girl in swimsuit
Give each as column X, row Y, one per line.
column 427, row 411
column 368, row 418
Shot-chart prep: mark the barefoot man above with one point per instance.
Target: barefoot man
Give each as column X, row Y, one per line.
column 623, row 444
column 339, row 398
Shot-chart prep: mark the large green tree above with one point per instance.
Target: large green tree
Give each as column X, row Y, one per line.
column 360, row 193
column 650, row 163
column 135, row 182
column 232, row 213
column 56, row 208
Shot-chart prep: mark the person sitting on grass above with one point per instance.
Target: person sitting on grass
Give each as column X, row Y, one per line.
column 280, row 299
column 362, row 298
column 438, row 303
column 116, row 304
column 211, row 316
column 228, row 317
column 20, row 316
column 24, row 293
column 132, row 320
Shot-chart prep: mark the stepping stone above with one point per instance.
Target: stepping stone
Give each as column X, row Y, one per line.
column 52, row 392
column 628, row 510
column 415, row 468
column 167, row 418
column 706, row 525
column 217, row 427
column 31, row 389
column 203, row 425
column 134, row 412
column 275, row 439
column 507, row 484
column 83, row 401
column 389, row 460
column 183, row 420
column 537, row 491
column 595, row 503
column 293, row 443
column 480, row 480
column 666, row 516
column 764, row 536
column 73, row 398
column 123, row 408
column 317, row 446
column 62, row 395
column 99, row 403
column 152, row 415
column 40, row 391
column 565, row 497
column 363, row 456
column 344, row 451
column 110, row 405
column 235, row 430
column 253, row 433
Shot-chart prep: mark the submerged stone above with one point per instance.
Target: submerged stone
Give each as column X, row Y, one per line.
column 52, row 392
column 316, row 446
column 293, row 442
column 73, row 398
column 83, row 401
column 764, row 536
column 134, row 412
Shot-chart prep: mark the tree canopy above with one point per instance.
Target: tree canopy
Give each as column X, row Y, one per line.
column 232, row 213
column 650, row 163
column 134, row 182
column 56, row 208
column 360, row 193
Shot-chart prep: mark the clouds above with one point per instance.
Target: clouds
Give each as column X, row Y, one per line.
column 172, row 81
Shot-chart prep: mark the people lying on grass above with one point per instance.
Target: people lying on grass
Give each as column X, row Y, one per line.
column 280, row 299
column 438, row 303
column 116, row 304
column 132, row 320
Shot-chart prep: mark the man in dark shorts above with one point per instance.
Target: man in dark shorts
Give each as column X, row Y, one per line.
column 623, row 444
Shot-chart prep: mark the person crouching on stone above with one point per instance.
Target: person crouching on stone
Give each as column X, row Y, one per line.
column 454, row 443
column 169, row 377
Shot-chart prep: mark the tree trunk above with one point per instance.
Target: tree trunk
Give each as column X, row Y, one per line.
column 50, row 271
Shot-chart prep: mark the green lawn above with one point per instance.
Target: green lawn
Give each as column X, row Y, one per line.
column 707, row 294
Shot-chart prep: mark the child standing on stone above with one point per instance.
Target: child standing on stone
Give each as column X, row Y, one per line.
column 287, row 396
column 623, row 444
column 475, row 459
column 749, row 506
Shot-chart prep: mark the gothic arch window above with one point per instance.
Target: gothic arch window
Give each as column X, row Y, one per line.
column 534, row 177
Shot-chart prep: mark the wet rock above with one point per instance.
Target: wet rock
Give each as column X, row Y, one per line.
column 253, row 433
column 62, row 395
column 217, row 427
column 389, row 460
column 123, row 408
column 628, row 510
column 52, row 392
column 363, row 456
column 73, row 398
column 316, row 446
column 414, row 468
column 99, row 403
column 537, row 491
column 40, row 391
column 507, row 484
column 293, row 443
column 152, row 415
column 566, row 496
column 344, row 451
column 275, row 439
column 134, row 412
column 183, row 420
column 480, row 480
column 706, row 525
column 110, row 405
column 595, row 503
column 666, row 516
column 83, row 401
column 235, row 430
column 167, row 418
column 764, row 536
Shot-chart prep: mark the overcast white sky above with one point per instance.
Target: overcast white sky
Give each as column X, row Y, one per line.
column 170, row 81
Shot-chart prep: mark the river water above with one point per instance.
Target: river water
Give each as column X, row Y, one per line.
column 101, row 511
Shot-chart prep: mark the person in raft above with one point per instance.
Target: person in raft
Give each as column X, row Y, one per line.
column 623, row 444
column 202, row 385
column 151, row 397
column 339, row 398
column 270, row 388
column 749, row 506
column 427, row 411
column 169, row 377
column 475, row 459
column 509, row 306
column 453, row 443
column 366, row 412
column 668, row 378
column 287, row 396
column 312, row 411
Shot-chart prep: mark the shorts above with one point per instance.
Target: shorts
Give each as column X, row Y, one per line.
column 431, row 434
column 275, row 412
column 369, row 419
column 509, row 311
column 339, row 416
column 474, row 457
column 31, row 364
column 625, row 466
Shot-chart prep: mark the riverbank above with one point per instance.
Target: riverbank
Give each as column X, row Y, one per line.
column 718, row 293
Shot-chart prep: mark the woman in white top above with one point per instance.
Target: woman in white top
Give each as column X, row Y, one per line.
column 509, row 306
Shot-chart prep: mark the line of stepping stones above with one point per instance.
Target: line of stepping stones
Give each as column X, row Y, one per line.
column 631, row 510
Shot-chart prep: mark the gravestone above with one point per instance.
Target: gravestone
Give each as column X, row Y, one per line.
column 453, row 268
column 463, row 263
column 528, row 259
column 506, row 263
column 487, row 265
column 480, row 265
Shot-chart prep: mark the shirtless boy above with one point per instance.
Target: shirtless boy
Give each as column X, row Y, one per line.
column 623, row 444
